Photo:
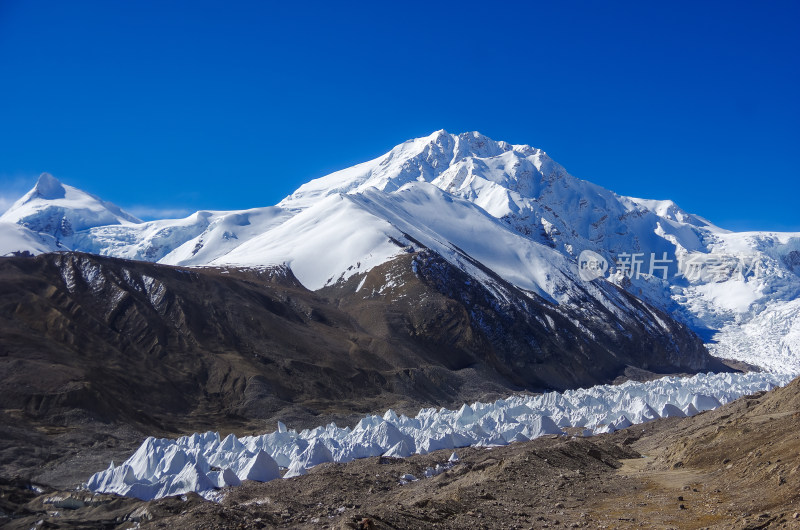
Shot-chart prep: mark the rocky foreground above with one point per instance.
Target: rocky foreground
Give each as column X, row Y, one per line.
column 735, row 467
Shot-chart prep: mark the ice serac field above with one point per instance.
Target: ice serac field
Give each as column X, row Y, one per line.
column 204, row 463
column 500, row 225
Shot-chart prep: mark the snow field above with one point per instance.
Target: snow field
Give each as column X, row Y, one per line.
column 204, row 463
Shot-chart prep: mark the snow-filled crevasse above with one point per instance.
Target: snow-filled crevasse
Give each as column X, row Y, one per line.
column 203, row 463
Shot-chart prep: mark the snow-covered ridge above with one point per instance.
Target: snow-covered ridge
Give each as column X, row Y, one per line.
column 509, row 208
column 202, row 463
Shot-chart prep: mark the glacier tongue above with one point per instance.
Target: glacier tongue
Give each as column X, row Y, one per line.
column 203, row 463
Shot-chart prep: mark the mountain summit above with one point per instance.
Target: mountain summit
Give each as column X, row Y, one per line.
column 48, row 188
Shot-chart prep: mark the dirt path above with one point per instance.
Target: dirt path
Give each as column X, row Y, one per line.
column 676, row 498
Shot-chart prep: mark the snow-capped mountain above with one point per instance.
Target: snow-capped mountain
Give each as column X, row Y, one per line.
column 61, row 211
column 488, row 208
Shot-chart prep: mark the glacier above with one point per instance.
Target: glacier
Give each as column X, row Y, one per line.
column 206, row 463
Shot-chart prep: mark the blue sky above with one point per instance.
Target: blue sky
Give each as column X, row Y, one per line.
column 177, row 106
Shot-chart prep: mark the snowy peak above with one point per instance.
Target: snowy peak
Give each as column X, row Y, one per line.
column 469, row 164
column 59, row 210
column 48, row 188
